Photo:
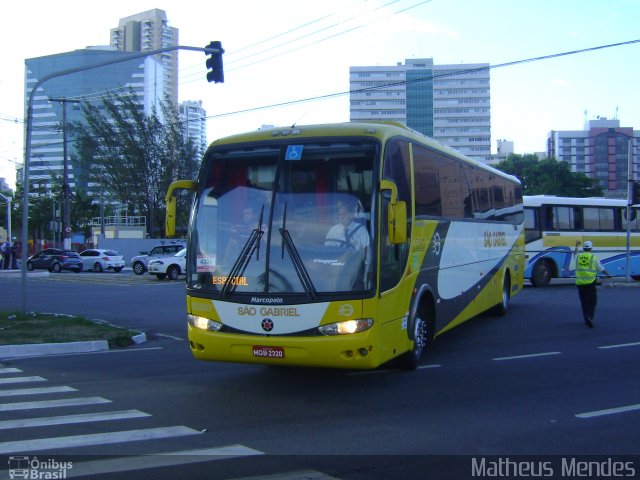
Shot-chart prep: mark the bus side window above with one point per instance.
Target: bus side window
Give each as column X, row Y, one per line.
column 531, row 224
column 578, row 223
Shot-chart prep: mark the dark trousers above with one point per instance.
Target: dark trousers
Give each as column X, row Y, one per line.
column 588, row 300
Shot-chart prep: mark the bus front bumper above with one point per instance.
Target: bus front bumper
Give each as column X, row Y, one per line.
column 356, row 351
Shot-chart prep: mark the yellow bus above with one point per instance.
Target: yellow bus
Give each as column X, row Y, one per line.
column 343, row 245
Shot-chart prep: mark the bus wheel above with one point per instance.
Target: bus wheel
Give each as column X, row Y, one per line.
column 422, row 335
column 501, row 308
column 541, row 275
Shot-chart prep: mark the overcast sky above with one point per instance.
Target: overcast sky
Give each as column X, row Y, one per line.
column 280, row 51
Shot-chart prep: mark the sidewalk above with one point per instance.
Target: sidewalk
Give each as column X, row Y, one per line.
column 17, row 273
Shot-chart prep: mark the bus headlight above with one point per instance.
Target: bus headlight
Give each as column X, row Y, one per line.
column 204, row 323
column 347, row 327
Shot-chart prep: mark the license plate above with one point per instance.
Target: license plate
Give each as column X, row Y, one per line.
column 268, row 352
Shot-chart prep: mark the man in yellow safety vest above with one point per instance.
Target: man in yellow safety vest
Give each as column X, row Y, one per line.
column 587, row 268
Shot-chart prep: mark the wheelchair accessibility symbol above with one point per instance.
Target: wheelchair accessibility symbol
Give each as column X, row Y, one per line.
column 294, row 152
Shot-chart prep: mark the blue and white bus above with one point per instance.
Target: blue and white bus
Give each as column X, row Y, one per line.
column 554, row 225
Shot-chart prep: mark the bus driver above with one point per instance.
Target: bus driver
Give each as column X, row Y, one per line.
column 347, row 232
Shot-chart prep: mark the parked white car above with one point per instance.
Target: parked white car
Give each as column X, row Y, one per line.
column 170, row 266
column 99, row 260
column 139, row 263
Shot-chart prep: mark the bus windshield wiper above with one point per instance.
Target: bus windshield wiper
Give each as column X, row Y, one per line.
column 298, row 264
column 239, row 266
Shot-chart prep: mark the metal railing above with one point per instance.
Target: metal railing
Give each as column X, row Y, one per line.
column 119, row 221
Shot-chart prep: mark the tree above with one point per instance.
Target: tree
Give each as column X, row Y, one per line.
column 134, row 156
column 549, row 177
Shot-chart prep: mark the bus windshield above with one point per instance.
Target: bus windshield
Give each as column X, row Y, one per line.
column 284, row 218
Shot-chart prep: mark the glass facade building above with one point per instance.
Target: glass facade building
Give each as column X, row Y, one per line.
column 420, row 100
column 144, row 77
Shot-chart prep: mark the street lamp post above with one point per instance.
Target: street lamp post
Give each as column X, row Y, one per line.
column 629, row 203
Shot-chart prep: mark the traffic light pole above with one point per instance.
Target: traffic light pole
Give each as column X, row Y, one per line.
column 28, row 134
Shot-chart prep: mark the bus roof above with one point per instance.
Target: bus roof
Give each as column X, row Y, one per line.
column 382, row 130
column 539, row 200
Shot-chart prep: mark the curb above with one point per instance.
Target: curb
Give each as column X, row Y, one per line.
column 33, row 350
column 8, row 352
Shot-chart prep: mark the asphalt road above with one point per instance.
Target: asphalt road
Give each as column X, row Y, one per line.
column 535, row 387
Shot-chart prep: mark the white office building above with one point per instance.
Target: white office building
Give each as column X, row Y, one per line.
column 450, row 103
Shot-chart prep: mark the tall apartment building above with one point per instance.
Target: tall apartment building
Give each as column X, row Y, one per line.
column 147, row 31
column 194, row 122
column 46, row 162
column 600, row 151
column 450, row 103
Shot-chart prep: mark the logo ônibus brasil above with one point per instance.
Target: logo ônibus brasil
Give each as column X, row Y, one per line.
column 37, row 468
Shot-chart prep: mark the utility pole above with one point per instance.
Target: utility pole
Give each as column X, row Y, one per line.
column 66, row 189
column 630, row 186
column 8, row 200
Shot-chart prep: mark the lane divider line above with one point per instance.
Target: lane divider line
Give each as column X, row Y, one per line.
column 531, row 355
column 609, row 411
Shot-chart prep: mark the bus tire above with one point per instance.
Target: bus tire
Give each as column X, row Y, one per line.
column 501, row 308
column 421, row 331
column 541, row 274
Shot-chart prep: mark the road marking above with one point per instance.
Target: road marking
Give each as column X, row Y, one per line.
column 184, row 457
column 532, row 355
column 388, row 370
column 69, row 419
column 35, row 391
column 620, row 345
column 10, row 370
column 5, row 381
column 609, row 411
column 164, row 335
column 66, row 402
column 23, row 446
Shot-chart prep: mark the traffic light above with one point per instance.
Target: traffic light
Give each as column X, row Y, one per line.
column 215, row 63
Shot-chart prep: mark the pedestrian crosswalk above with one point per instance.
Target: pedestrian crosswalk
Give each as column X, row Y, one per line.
column 23, row 433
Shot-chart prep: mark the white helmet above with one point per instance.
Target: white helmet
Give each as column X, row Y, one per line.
column 588, row 245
